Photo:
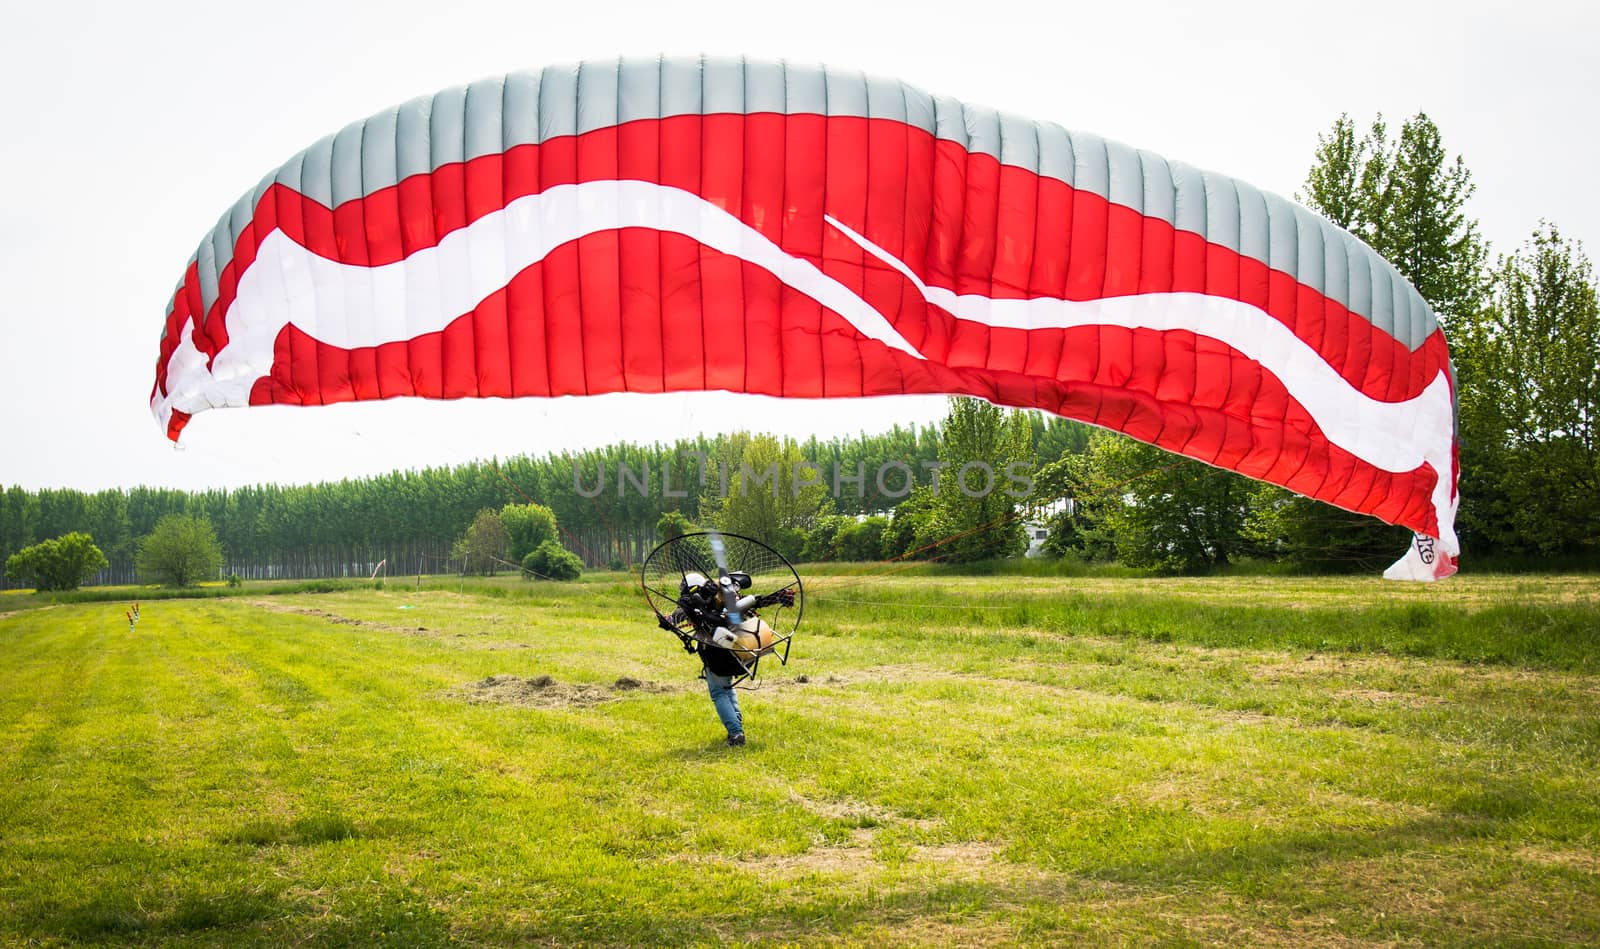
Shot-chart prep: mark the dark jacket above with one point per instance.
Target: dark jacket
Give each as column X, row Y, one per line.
column 720, row 661
column 704, row 619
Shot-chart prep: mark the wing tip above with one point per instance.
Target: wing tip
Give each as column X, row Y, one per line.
column 176, row 423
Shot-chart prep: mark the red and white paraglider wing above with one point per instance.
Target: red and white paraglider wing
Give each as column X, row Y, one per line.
column 689, row 224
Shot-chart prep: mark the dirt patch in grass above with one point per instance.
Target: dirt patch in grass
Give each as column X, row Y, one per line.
column 16, row 608
column 625, row 684
column 1436, row 674
column 543, row 691
column 875, row 843
column 859, row 812
column 1580, row 860
column 967, row 860
column 855, row 856
column 778, row 681
column 977, row 858
column 956, row 934
column 1380, row 697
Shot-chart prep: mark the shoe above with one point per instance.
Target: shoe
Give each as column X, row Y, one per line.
column 736, row 741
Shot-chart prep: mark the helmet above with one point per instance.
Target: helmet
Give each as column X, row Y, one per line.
column 695, row 583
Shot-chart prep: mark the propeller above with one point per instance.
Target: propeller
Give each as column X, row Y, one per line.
column 725, row 582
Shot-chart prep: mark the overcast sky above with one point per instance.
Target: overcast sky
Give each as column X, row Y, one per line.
column 130, row 127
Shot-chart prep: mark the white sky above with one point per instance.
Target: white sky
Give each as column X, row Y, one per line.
column 130, row 127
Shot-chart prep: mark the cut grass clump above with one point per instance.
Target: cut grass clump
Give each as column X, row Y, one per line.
column 122, row 916
column 302, row 831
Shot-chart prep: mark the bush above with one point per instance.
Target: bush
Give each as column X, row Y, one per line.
column 59, row 564
column 235, row 581
column 551, row 561
column 861, row 540
column 180, row 552
column 819, row 544
column 527, row 526
column 914, row 525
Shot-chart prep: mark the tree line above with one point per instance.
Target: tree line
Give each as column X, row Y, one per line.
column 607, row 502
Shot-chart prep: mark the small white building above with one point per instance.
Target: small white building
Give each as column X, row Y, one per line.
column 1038, row 532
column 1038, row 525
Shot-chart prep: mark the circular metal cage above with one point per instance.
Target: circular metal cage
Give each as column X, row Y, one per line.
column 773, row 581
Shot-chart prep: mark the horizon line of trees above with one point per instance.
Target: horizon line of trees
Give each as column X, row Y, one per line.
column 415, row 519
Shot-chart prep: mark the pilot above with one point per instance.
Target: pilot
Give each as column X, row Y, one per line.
column 728, row 641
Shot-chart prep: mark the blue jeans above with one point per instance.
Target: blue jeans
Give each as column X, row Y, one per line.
column 727, row 703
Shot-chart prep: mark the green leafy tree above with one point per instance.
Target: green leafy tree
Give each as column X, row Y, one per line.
column 1066, row 499
column 527, row 526
column 483, row 548
column 60, row 564
column 1318, row 536
column 1420, row 223
column 1529, row 369
column 913, row 527
column 1346, row 170
column 180, row 551
column 1055, row 438
column 775, row 495
column 1074, row 532
column 1163, row 511
column 551, row 561
column 1406, row 197
column 983, row 448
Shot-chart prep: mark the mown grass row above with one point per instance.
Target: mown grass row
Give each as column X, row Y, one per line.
column 1497, row 619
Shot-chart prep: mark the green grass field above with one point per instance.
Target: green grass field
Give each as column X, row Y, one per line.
column 946, row 761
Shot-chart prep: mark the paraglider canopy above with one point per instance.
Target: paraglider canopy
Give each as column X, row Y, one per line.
column 671, row 224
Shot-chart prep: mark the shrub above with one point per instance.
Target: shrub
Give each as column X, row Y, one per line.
column 551, row 561
column 527, row 526
column 915, row 524
column 59, row 564
column 819, row 544
column 861, row 540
